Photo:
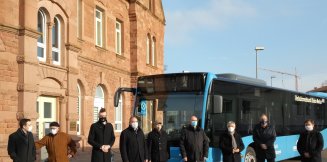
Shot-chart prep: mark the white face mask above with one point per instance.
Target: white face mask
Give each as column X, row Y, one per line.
column 231, row 129
column 30, row 128
column 309, row 127
column 134, row 125
column 54, row 131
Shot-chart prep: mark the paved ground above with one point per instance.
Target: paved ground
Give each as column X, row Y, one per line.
column 86, row 156
column 324, row 158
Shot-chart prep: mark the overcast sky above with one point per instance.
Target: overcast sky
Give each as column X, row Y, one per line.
column 219, row 36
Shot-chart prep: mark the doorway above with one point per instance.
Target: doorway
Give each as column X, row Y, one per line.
column 46, row 107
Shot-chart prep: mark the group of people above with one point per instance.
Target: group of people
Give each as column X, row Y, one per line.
column 134, row 147
column 22, row 148
column 309, row 145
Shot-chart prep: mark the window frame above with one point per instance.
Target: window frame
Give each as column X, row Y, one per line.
column 118, row 34
column 79, row 108
column 148, row 49
column 56, row 49
column 120, row 106
column 44, row 35
column 153, row 52
column 79, row 18
column 100, row 20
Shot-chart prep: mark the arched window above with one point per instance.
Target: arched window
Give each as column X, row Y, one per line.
column 153, row 52
column 119, row 115
column 41, row 41
column 56, row 42
column 98, row 102
column 148, row 49
column 79, row 109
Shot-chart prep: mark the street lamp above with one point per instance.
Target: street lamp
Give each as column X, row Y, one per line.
column 272, row 77
column 256, row 59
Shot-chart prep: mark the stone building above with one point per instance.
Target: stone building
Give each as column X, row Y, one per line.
column 62, row 60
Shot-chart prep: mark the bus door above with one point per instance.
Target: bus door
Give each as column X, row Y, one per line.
column 147, row 111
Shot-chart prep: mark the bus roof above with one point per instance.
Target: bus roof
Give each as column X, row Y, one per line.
column 230, row 77
column 243, row 79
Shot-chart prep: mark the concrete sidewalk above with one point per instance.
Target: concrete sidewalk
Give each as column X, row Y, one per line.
column 85, row 156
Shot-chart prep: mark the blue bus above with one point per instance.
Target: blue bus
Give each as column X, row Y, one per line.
column 218, row 98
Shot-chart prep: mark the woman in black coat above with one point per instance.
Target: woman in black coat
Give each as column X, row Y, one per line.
column 157, row 144
column 310, row 143
column 231, row 148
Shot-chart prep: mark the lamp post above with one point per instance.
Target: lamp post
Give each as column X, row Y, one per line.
column 272, row 77
column 256, row 59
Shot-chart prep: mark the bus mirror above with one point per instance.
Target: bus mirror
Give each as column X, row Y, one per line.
column 116, row 98
column 118, row 93
column 217, row 104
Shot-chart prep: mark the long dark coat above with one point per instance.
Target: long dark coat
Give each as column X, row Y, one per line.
column 311, row 142
column 264, row 136
column 132, row 145
column 21, row 146
column 226, row 146
column 194, row 143
column 157, row 146
column 99, row 135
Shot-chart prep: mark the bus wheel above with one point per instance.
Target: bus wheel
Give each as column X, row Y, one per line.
column 250, row 155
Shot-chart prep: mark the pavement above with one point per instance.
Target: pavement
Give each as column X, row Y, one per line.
column 323, row 155
column 85, row 156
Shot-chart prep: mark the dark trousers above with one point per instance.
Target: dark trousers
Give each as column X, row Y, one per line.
column 263, row 160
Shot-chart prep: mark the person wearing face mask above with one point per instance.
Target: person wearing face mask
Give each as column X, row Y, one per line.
column 157, row 143
column 101, row 138
column 310, row 143
column 132, row 143
column 194, row 143
column 57, row 144
column 264, row 137
column 231, row 144
column 21, row 143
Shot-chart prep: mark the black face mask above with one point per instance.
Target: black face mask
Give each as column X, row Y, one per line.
column 103, row 119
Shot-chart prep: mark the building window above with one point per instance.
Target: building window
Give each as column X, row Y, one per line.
column 41, row 43
column 119, row 115
column 98, row 27
column 153, row 52
column 79, row 18
column 148, row 49
column 118, row 37
column 79, row 105
column 56, row 42
column 98, row 103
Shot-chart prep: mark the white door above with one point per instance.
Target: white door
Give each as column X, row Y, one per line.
column 46, row 107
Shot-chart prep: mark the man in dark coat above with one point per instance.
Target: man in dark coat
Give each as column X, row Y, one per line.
column 310, row 143
column 132, row 143
column 101, row 137
column 21, row 146
column 194, row 143
column 231, row 144
column 157, row 144
column 264, row 137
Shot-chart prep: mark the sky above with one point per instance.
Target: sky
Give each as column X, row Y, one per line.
column 220, row 36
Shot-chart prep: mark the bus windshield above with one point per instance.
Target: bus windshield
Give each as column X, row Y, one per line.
column 171, row 100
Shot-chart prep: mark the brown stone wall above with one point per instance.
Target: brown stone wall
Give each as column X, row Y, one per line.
column 23, row 78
